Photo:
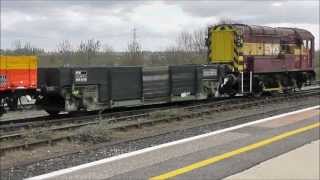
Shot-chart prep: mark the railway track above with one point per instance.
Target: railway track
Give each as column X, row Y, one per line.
column 45, row 121
column 62, row 118
column 11, row 127
column 31, row 122
column 138, row 120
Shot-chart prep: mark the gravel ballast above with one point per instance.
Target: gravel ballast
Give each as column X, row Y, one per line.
column 173, row 132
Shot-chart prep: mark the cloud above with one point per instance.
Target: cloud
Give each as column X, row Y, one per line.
column 45, row 23
column 256, row 11
column 277, row 4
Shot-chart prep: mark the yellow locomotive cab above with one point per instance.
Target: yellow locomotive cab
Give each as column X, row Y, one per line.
column 222, row 46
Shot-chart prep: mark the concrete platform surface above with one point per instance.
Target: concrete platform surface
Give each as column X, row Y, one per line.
column 214, row 155
column 301, row 163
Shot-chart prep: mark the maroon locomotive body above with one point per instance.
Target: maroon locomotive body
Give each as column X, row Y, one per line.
column 279, row 49
column 260, row 58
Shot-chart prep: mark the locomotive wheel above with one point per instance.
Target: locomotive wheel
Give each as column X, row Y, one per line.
column 288, row 91
column 12, row 103
column 232, row 94
column 299, row 84
column 258, row 88
column 258, row 94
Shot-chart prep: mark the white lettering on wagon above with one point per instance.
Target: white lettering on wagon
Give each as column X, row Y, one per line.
column 81, row 76
column 209, row 72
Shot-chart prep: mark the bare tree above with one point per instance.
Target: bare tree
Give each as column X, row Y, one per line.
column 192, row 42
column 65, row 51
column 134, row 51
column 190, row 47
column 17, row 44
column 25, row 48
column 184, row 42
column 107, row 50
column 64, row 47
column 173, row 55
column 89, row 48
column 199, row 42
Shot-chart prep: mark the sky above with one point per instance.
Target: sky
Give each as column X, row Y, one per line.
column 46, row 23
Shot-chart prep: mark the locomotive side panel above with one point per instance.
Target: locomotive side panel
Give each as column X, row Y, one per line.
column 269, row 65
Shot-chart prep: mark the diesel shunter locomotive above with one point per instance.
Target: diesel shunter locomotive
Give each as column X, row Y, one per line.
column 255, row 59
column 243, row 59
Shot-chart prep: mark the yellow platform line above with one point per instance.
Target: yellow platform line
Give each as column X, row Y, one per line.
column 230, row 154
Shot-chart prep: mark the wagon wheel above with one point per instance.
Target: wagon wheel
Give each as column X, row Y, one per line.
column 52, row 112
column 12, row 103
column 299, row 84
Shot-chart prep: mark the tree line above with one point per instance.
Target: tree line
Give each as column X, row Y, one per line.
column 188, row 48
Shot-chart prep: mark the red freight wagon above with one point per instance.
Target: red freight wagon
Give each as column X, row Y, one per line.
column 18, row 77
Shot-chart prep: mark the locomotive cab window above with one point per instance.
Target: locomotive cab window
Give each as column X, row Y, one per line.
column 285, row 47
column 305, row 44
column 309, row 44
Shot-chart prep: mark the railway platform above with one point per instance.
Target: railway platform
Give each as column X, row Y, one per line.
column 301, row 163
column 264, row 145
